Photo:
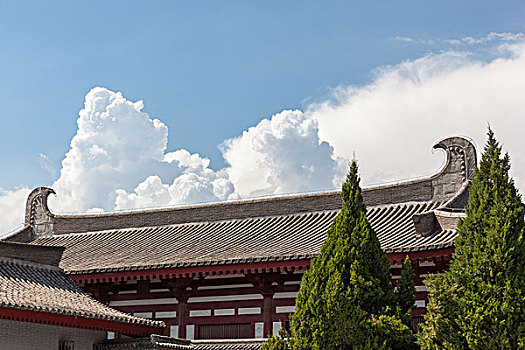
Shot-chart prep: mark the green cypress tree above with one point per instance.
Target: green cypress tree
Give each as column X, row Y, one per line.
column 405, row 292
column 480, row 302
column 346, row 299
column 278, row 342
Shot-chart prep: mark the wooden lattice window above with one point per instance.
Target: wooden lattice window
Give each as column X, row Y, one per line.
column 225, row 331
column 66, row 345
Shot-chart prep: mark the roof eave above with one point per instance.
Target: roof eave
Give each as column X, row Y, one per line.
column 55, row 319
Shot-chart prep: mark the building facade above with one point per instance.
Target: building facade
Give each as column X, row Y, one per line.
column 232, row 270
column 42, row 308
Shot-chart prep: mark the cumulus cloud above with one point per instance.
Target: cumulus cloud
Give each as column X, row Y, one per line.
column 118, row 160
column 392, row 122
column 12, row 207
column 282, row 154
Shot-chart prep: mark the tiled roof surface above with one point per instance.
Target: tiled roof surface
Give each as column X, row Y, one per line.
column 165, row 343
column 43, row 288
column 269, row 238
column 228, row 344
column 157, row 342
column 443, row 186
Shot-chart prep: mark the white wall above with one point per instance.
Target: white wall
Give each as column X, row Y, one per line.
column 31, row 336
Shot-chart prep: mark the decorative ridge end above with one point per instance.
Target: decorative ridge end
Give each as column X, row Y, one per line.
column 458, row 149
column 38, row 215
column 458, row 169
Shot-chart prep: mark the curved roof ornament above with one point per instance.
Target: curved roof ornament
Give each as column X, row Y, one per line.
column 448, row 184
column 461, row 161
column 38, row 215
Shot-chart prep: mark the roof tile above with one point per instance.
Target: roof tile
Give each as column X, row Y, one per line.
column 269, row 238
column 35, row 287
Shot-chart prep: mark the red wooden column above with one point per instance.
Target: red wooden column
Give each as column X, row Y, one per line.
column 264, row 283
column 417, row 271
column 182, row 312
column 268, row 310
column 179, row 289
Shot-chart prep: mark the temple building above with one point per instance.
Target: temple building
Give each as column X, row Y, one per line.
column 232, row 270
column 42, row 308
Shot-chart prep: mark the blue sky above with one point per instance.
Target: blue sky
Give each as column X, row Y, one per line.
column 210, row 70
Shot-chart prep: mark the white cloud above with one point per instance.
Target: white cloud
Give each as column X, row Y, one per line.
column 187, row 188
column 148, row 193
column 282, row 154
column 392, row 122
column 488, row 39
column 107, row 168
column 404, row 38
column 118, row 160
column 412, row 40
column 454, row 41
column 12, row 207
column 47, row 165
column 493, row 36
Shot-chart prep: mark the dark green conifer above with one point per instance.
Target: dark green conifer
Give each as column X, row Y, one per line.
column 346, row 300
column 278, row 342
column 405, row 292
column 480, row 302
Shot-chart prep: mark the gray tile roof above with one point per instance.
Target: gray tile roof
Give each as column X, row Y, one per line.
column 36, row 287
column 228, row 344
column 46, row 255
column 154, row 341
column 405, row 216
column 458, row 168
column 165, row 343
column 268, row 238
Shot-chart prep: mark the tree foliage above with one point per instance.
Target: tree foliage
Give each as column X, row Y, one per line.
column 346, row 299
column 405, row 292
column 278, row 342
column 480, row 302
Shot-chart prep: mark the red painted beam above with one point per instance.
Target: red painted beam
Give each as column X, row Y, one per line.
column 225, row 319
column 75, row 322
column 193, row 271
column 425, row 255
column 244, row 268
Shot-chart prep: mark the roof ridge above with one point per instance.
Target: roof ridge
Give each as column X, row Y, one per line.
column 457, row 169
column 30, row 263
column 247, row 340
column 128, row 229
